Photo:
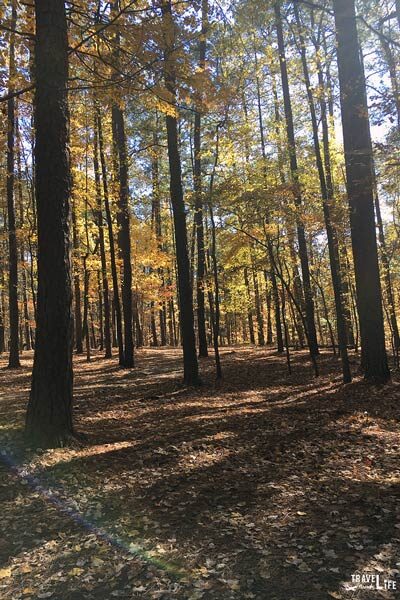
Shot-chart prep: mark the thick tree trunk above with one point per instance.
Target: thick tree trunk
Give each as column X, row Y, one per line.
column 309, row 304
column 359, row 170
column 13, row 361
column 178, row 206
column 49, row 414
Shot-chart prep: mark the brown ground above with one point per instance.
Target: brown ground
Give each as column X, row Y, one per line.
column 266, row 487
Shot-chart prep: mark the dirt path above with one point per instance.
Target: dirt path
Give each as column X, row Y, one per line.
column 266, row 487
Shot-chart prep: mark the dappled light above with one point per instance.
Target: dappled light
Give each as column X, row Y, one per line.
column 241, row 490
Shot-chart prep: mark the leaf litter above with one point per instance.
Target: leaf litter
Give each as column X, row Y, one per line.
column 266, row 486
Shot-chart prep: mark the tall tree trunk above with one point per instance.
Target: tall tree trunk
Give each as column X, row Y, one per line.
column 113, row 262
column 198, row 190
column 268, row 297
column 286, row 331
column 13, row 361
column 85, row 325
column 257, row 298
column 103, row 259
column 2, row 337
column 305, row 268
column 327, row 193
column 387, row 275
column 153, row 328
column 275, row 292
column 384, row 254
column 49, row 414
column 77, row 288
column 121, row 178
column 124, row 239
column 156, row 226
column 249, row 306
column 178, row 206
column 100, row 311
column 26, row 320
column 359, row 170
column 216, row 316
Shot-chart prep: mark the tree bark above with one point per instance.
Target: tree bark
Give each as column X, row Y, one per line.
column 13, row 361
column 198, row 215
column 249, row 306
column 77, row 289
column 103, row 259
column 49, row 414
column 124, row 239
column 359, row 171
column 258, row 303
column 113, row 262
column 327, row 193
column 178, row 206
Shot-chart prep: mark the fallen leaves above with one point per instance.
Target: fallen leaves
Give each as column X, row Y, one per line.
column 5, row 572
column 262, row 486
column 76, row 572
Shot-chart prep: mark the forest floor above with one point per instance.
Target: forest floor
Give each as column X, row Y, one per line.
column 267, row 486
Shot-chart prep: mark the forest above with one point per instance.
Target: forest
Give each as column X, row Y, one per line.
column 199, row 299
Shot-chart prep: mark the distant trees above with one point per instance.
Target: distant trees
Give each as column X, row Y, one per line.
column 177, row 119
column 294, row 171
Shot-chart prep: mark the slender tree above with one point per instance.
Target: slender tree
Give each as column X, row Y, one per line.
column 124, row 237
column 178, row 206
column 201, row 256
column 110, row 229
column 103, row 259
column 275, row 292
column 305, row 267
column 12, row 238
